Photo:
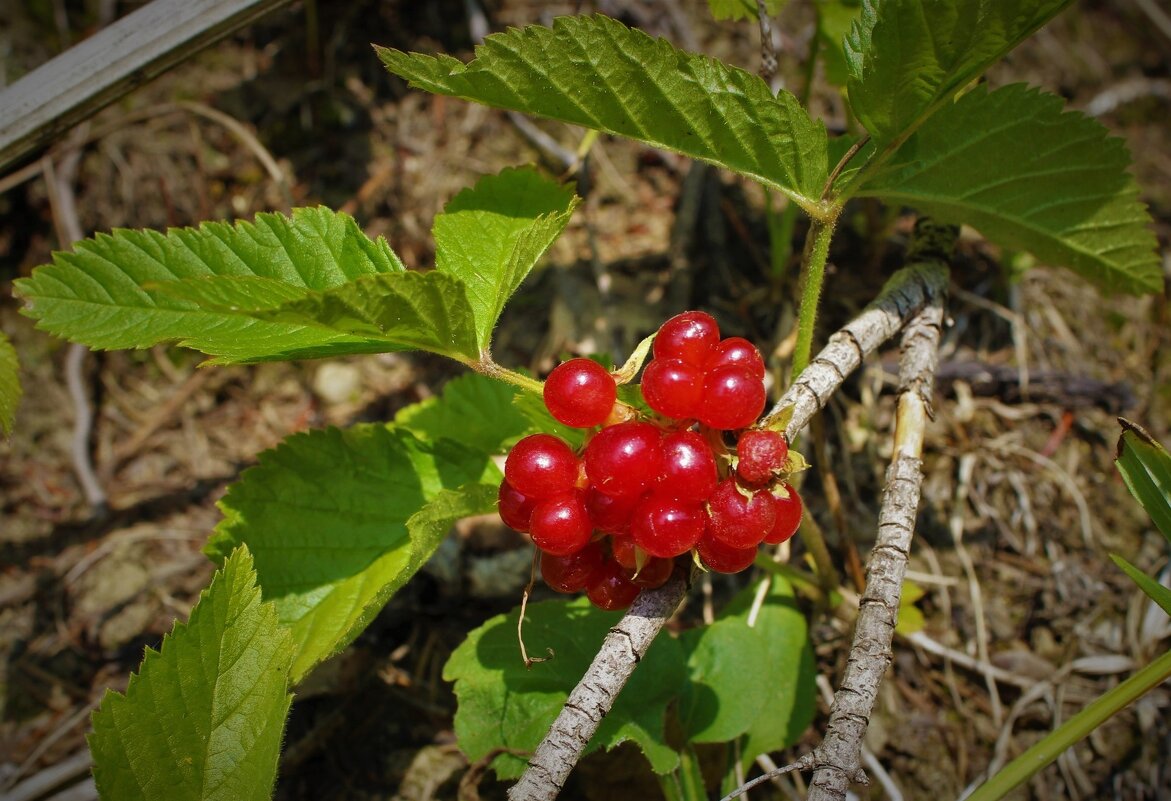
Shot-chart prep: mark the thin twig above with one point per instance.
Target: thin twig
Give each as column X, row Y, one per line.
column 768, row 54
column 904, row 295
column 838, row 758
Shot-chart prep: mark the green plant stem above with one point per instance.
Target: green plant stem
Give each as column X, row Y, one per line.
column 487, row 366
column 1074, row 729
column 685, row 783
column 817, row 241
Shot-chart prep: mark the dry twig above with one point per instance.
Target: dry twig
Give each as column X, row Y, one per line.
column 908, row 291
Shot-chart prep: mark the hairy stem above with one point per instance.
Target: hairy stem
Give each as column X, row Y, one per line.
column 817, row 241
column 487, row 366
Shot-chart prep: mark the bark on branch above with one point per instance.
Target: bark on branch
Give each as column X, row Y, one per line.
column 905, row 294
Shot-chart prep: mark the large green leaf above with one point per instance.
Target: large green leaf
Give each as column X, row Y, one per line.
column 9, row 384
column 97, row 294
column 329, row 516
column 596, row 72
column 491, row 236
column 1030, row 177
column 787, row 698
column 905, row 57
column 504, row 705
column 474, row 409
column 203, row 717
column 727, row 665
column 1146, row 467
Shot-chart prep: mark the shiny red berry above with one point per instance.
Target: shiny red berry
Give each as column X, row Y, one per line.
column 625, row 459
column 789, row 512
column 610, row 513
column 762, row 454
column 575, row 572
column 723, row 558
column 673, row 388
column 654, row 573
column 741, row 521
column 736, row 352
column 515, row 509
column 666, row 527
column 732, row 398
column 690, row 336
column 540, row 466
column 580, row 393
column 612, row 589
column 560, row 525
column 689, row 468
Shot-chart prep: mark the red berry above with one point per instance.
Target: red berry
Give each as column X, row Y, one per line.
column 762, row 454
column 789, row 511
column 689, row 469
column 612, row 589
column 623, row 550
column 580, row 393
column 666, row 527
column 540, row 466
column 736, row 352
column 724, row 558
column 739, row 521
column 575, row 572
column 673, row 388
column 689, row 336
column 654, row 573
column 610, row 513
column 625, row 459
column 561, row 525
column 515, row 509
column 732, row 398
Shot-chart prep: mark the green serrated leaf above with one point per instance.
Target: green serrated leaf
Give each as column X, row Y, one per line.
column 474, row 409
column 492, row 235
column 1154, row 590
column 787, row 699
column 835, row 19
column 1146, row 468
column 504, row 705
column 96, row 294
column 203, row 717
column 723, row 659
column 327, row 516
column 741, row 9
column 9, row 384
column 1029, row 176
column 596, row 72
column 906, row 57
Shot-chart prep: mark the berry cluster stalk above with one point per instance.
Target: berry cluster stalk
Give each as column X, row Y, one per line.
column 904, row 295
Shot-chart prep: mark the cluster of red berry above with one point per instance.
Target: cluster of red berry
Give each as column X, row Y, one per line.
column 653, row 488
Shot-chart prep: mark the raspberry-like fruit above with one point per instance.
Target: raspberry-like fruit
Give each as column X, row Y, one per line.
column 654, row 573
column 580, row 393
column 575, row 572
column 723, row 558
column 515, row 509
column 610, row 513
column 540, row 466
column 673, row 388
column 736, row 352
column 689, row 469
column 624, row 459
column 666, row 527
column 789, row 511
column 560, row 525
column 739, row 521
column 612, row 588
column 690, row 336
column 762, row 454
column 732, row 398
